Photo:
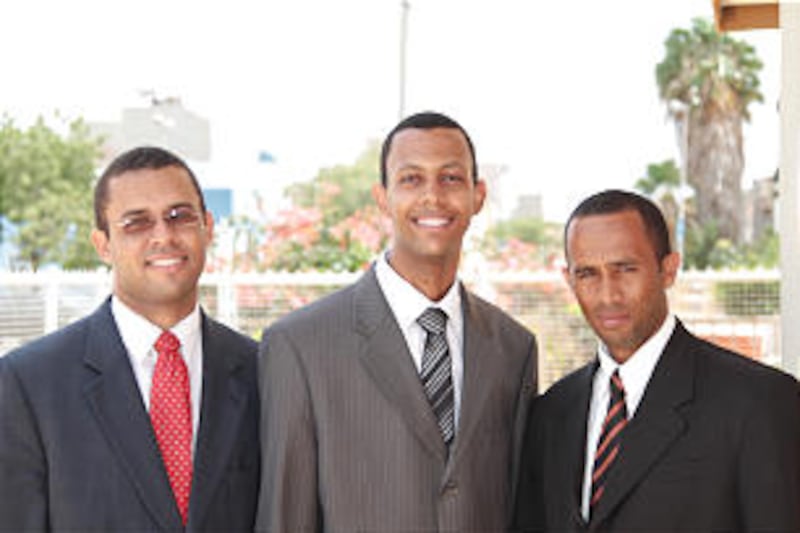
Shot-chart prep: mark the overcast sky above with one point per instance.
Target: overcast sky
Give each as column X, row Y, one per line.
column 562, row 94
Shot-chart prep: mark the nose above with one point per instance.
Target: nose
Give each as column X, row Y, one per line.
column 162, row 231
column 610, row 290
column 431, row 192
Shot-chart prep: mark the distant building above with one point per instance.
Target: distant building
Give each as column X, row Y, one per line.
column 528, row 206
column 228, row 186
column 165, row 123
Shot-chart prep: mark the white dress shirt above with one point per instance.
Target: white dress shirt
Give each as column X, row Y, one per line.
column 635, row 373
column 139, row 336
column 407, row 304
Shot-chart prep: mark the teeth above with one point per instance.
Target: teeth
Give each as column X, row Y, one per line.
column 432, row 222
column 165, row 262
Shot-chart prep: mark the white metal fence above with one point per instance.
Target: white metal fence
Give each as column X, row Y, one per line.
column 737, row 309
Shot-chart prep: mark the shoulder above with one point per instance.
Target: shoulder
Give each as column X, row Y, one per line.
column 229, row 335
column 331, row 310
column 504, row 324
column 56, row 348
column 732, row 365
column 220, row 339
column 728, row 373
column 575, row 386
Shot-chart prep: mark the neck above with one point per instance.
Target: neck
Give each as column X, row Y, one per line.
column 433, row 279
column 165, row 317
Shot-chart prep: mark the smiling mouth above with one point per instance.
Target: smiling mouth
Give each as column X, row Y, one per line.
column 433, row 222
column 166, row 262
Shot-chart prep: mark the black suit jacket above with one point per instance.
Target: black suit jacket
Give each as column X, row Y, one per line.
column 78, row 453
column 714, row 446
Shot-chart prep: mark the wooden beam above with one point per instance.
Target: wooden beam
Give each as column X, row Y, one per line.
column 734, row 15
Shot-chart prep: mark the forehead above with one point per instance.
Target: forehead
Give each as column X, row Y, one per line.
column 152, row 189
column 416, row 146
column 608, row 238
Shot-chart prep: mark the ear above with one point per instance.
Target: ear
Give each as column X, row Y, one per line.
column 209, row 226
column 565, row 273
column 480, row 196
column 100, row 242
column 379, row 195
column 669, row 268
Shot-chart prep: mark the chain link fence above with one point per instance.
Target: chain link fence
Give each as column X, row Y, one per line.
column 740, row 310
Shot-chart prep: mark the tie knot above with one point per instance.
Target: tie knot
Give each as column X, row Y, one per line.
column 167, row 343
column 617, row 388
column 433, row 320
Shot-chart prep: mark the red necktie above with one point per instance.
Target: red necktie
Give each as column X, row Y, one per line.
column 608, row 445
column 171, row 416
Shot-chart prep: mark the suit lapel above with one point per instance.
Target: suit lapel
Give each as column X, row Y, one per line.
column 223, row 405
column 479, row 368
column 656, row 424
column 114, row 399
column 569, row 447
column 384, row 354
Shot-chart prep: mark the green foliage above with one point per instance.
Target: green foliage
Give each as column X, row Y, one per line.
column 327, row 254
column 661, row 177
column 528, row 229
column 527, row 243
column 46, row 190
column 705, row 250
column 333, row 226
column 703, row 66
column 341, row 230
column 765, row 252
column 342, row 190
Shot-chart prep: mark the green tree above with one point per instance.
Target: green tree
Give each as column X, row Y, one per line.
column 708, row 80
column 334, row 224
column 522, row 243
column 342, row 190
column 46, row 190
column 662, row 184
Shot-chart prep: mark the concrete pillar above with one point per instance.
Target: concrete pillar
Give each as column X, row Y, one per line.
column 789, row 210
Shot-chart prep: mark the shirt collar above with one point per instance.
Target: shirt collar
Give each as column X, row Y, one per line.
column 406, row 301
column 140, row 335
column 636, row 371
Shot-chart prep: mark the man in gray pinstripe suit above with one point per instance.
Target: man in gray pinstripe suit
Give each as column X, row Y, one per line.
column 351, row 440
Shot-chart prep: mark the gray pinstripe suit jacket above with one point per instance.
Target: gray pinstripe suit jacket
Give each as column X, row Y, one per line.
column 350, row 441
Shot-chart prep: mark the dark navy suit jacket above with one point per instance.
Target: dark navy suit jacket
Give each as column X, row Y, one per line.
column 78, row 453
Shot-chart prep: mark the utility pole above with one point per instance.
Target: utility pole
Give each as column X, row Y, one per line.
column 405, row 5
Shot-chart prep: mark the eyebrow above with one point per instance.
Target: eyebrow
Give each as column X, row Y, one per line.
column 448, row 165
column 144, row 211
column 594, row 266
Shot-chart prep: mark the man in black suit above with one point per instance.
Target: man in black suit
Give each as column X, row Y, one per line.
column 142, row 416
column 663, row 431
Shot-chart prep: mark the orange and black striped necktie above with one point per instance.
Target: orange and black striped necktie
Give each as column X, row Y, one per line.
column 610, row 438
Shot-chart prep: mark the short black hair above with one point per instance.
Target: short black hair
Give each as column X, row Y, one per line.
column 142, row 157
column 616, row 201
column 426, row 120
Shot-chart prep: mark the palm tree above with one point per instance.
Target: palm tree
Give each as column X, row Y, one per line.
column 708, row 80
column 662, row 184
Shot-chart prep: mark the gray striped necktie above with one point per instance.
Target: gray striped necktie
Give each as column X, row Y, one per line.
column 436, row 374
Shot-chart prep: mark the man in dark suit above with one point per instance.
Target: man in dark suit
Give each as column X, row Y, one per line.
column 398, row 403
column 664, row 431
column 142, row 416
